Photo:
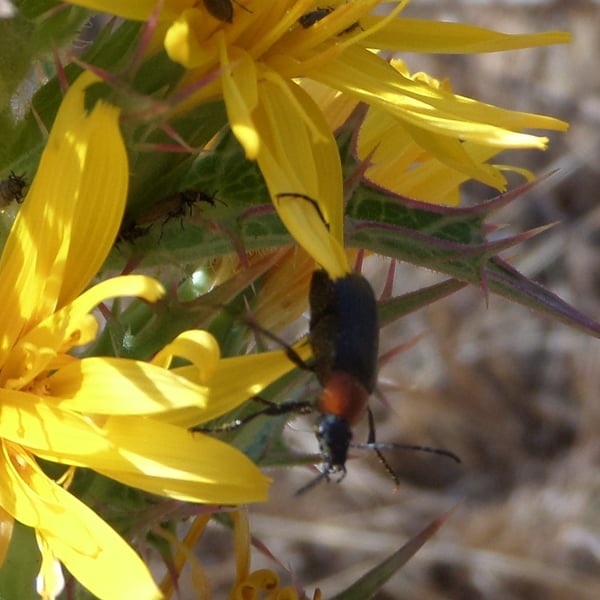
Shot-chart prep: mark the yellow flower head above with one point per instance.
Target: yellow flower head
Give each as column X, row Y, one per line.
column 107, row 414
column 262, row 584
column 263, row 51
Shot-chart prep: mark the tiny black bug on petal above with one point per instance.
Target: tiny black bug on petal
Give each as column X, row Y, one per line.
column 310, row 18
column 222, row 9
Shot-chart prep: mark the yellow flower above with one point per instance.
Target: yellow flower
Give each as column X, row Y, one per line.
column 264, row 50
column 262, row 584
column 409, row 165
column 107, row 414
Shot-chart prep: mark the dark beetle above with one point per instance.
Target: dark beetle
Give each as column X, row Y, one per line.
column 344, row 336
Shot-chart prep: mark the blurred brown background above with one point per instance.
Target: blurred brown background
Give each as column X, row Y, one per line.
column 516, row 396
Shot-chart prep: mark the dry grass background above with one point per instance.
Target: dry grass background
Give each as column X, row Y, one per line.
column 515, row 395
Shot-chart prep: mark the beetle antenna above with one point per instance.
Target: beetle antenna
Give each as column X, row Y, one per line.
column 371, row 440
column 388, row 446
column 311, row 484
column 308, row 199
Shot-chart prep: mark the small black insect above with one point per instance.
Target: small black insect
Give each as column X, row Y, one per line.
column 222, row 9
column 181, row 204
column 310, row 18
column 176, row 205
column 12, row 188
column 130, row 231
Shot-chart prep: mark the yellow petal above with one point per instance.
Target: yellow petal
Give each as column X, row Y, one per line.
column 120, row 386
column 72, row 532
column 242, row 543
column 236, row 380
column 185, row 554
column 157, row 457
column 301, row 160
column 140, row 286
column 199, row 347
column 366, row 76
column 32, row 422
column 182, row 40
column 140, row 10
column 82, row 180
column 241, row 97
column 50, row 581
column 138, row 451
column 70, row 217
column 99, row 204
column 68, row 327
column 184, row 465
column 406, row 158
column 417, row 35
column 335, row 106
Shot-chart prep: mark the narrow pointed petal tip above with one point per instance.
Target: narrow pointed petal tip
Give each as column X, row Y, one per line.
column 444, row 37
column 308, row 230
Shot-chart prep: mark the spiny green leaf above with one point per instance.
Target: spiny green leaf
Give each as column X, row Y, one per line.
column 452, row 241
column 374, row 580
column 504, row 280
column 395, row 308
column 449, row 240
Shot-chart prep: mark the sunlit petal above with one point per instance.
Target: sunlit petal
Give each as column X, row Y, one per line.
column 140, row 10
column 32, row 422
column 235, row 380
column 58, row 516
column 442, row 37
column 89, row 386
column 68, row 327
column 193, row 467
column 295, row 163
column 198, row 347
column 241, row 97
